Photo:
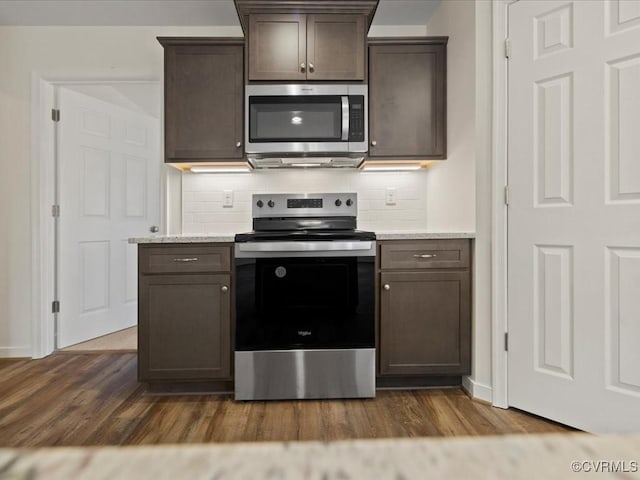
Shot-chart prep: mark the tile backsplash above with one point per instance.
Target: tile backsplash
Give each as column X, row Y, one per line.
column 203, row 210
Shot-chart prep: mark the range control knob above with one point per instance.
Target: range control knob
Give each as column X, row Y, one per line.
column 270, row 203
column 338, row 202
column 349, row 202
column 260, row 203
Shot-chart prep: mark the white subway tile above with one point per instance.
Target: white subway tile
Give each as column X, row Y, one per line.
column 203, row 211
column 209, row 196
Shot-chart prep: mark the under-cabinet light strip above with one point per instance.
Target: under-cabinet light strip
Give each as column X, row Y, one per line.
column 390, row 168
column 239, row 169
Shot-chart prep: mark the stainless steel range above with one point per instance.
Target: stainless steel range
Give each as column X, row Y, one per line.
column 305, row 300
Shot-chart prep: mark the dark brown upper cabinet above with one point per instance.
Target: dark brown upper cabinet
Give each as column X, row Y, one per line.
column 203, row 95
column 299, row 47
column 407, row 98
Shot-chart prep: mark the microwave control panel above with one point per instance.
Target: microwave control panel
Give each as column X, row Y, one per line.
column 356, row 118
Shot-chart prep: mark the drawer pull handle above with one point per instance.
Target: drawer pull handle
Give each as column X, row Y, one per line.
column 224, row 288
column 387, row 286
column 425, row 255
column 194, row 259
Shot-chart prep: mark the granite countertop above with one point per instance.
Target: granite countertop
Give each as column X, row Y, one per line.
column 195, row 238
column 229, row 237
column 421, row 235
column 551, row 456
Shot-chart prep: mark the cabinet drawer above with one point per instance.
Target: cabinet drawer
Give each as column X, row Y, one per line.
column 419, row 254
column 184, row 259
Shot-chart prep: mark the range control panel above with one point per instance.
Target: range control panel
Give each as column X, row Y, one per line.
column 265, row 205
column 304, row 203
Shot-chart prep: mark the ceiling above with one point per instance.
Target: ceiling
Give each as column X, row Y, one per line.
column 172, row 12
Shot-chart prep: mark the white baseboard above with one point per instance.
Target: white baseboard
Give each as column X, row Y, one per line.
column 477, row 390
column 15, row 352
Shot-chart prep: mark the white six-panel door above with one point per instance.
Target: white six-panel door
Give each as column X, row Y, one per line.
column 109, row 165
column 574, row 215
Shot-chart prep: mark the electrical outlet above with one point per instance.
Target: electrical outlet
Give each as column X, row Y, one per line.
column 390, row 197
column 227, row 198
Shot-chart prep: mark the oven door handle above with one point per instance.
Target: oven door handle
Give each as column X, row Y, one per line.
column 310, row 248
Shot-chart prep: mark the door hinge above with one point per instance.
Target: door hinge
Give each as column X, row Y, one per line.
column 55, row 114
column 506, row 341
column 507, row 195
column 55, row 306
column 55, row 210
column 507, row 48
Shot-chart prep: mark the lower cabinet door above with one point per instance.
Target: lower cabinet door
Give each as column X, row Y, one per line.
column 425, row 323
column 184, row 327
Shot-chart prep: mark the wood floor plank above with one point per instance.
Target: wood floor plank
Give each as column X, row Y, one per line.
column 310, row 420
column 231, row 424
column 95, row 399
column 122, row 340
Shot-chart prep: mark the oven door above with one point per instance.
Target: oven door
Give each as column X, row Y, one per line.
column 318, row 297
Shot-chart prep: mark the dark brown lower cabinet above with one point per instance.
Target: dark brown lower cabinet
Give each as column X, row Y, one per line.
column 425, row 313
column 184, row 321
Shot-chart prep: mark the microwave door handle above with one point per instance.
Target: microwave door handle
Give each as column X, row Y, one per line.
column 345, row 118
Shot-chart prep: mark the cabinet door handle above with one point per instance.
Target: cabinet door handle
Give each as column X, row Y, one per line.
column 386, row 286
column 238, row 144
column 373, row 143
column 194, row 259
column 303, row 67
column 425, row 255
column 224, row 288
column 311, row 67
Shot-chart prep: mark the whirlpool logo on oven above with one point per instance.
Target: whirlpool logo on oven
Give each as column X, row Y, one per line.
column 304, row 333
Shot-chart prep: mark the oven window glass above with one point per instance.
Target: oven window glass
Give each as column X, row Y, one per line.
column 291, row 288
column 288, row 118
column 289, row 303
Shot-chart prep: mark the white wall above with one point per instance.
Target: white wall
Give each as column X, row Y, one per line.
column 451, row 184
column 203, row 211
column 5, row 198
column 24, row 50
column 459, row 190
column 397, row 31
column 484, row 212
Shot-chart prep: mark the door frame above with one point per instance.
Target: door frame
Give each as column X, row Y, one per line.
column 44, row 183
column 499, row 166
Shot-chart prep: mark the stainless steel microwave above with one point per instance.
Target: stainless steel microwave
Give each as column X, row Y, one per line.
column 306, row 120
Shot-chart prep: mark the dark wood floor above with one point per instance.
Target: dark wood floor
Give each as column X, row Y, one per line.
column 94, row 399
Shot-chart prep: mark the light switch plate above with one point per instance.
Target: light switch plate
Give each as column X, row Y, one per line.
column 390, row 196
column 227, row 198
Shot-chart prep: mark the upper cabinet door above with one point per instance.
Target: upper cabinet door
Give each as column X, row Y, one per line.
column 277, row 47
column 203, row 102
column 292, row 47
column 407, row 101
column 335, row 47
